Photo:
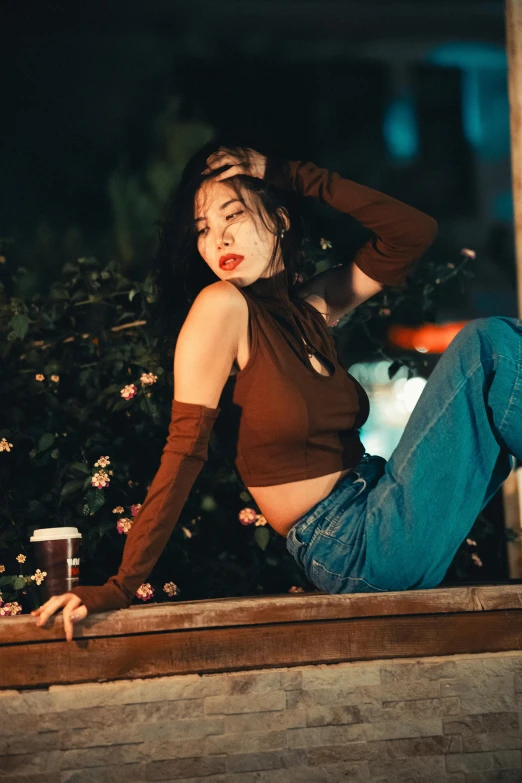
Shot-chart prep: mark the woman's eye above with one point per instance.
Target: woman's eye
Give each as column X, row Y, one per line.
column 234, row 214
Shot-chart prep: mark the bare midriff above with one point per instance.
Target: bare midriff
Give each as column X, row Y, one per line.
column 283, row 504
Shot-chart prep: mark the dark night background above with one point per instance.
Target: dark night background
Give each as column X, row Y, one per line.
column 103, row 102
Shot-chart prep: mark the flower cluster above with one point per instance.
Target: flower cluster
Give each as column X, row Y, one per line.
column 129, row 391
column 145, row 592
column 102, row 462
column 5, row 445
column 248, row 516
column 9, row 609
column 123, row 525
column 325, row 243
column 135, row 508
column 148, row 378
column 100, row 480
column 171, row 589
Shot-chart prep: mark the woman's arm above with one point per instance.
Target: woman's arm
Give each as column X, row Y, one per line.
column 402, row 233
column 205, row 350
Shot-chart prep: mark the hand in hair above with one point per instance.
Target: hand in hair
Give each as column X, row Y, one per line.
column 240, row 160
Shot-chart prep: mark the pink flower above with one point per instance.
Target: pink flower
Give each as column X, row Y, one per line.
column 145, row 592
column 467, row 252
column 171, row 589
column 135, row 508
column 10, row 609
column 123, row 525
column 129, row 391
column 247, row 516
column 100, row 480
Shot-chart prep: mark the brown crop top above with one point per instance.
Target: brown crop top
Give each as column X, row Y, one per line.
column 280, row 420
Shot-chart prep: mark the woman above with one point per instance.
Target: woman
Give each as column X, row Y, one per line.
column 254, row 358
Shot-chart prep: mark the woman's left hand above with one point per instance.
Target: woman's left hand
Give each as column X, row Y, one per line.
column 246, row 161
column 72, row 611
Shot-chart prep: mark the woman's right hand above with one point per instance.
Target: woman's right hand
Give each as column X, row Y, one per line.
column 73, row 611
column 244, row 161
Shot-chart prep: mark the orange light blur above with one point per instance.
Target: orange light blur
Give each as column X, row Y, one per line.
column 428, row 338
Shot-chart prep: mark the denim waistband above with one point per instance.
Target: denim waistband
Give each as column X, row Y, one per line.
column 302, row 530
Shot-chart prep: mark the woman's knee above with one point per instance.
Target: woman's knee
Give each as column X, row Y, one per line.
column 494, row 333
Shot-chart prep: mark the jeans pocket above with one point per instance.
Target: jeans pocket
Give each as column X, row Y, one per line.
column 335, row 518
column 333, row 583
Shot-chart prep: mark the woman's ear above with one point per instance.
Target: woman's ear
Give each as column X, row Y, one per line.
column 282, row 212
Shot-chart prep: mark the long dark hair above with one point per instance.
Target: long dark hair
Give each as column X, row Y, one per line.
column 178, row 273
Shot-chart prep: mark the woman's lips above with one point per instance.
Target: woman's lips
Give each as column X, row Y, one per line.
column 231, row 263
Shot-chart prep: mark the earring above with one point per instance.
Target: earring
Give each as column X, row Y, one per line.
column 282, row 233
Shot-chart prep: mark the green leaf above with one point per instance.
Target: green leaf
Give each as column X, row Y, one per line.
column 132, row 294
column 46, row 441
column 6, row 580
column 18, row 583
column 20, row 325
column 95, row 499
column 80, row 467
column 71, row 487
column 262, row 536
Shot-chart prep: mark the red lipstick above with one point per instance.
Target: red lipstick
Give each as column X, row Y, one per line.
column 230, row 261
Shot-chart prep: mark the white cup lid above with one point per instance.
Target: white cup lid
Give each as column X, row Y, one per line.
column 53, row 533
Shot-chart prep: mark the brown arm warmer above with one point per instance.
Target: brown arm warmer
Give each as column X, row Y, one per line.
column 184, row 455
column 402, row 233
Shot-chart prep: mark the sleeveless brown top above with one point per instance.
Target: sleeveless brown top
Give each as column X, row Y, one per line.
column 280, row 419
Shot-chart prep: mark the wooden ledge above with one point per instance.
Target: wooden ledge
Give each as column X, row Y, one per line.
column 232, row 634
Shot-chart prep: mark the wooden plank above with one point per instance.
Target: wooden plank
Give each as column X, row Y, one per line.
column 257, row 610
column 239, row 648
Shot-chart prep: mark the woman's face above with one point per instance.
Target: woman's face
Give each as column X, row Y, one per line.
column 225, row 225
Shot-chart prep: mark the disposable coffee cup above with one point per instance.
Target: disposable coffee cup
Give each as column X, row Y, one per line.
column 56, row 552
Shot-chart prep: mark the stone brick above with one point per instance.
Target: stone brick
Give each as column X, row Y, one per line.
column 323, row 697
column 291, row 679
column 185, row 767
column 248, row 742
column 43, row 761
column 233, row 705
column 481, row 723
column 381, row 750
column 252, row 682
column 494, row 776
column 497, row 692
column 265, row 721
column 421, row 766
column 405, row 709
column 493, row 760
column 493, row 741
column 325, row 735
column 332, row 716
column 345, row 773
column 405, row 727
column 46, row 777
column 140, row 732
column 277, row 759
column 114, row 774
column 170, row 688
column 406, row 671
column 342, row 675
column 21, row 743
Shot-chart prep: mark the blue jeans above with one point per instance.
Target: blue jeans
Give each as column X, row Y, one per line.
column 397, row 524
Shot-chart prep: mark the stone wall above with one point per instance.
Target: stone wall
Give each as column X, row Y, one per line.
column 438, row 720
